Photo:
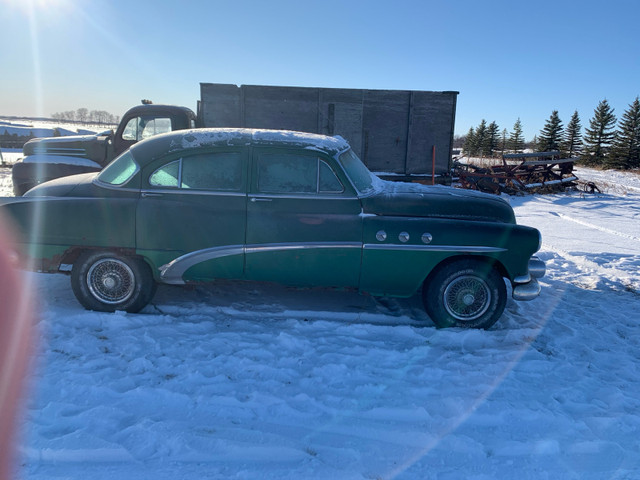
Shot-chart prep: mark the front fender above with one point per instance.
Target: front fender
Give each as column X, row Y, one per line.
column 399, row 252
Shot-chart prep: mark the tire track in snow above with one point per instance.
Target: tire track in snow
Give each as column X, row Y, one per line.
column 582, row 267
column 596, row 227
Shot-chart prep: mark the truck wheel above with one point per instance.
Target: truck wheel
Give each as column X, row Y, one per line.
column 107, row 282
column 466, row 294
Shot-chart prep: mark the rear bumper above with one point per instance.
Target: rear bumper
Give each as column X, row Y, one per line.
column 528, row 288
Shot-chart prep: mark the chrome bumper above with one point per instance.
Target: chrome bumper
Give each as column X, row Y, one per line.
column 528, row 288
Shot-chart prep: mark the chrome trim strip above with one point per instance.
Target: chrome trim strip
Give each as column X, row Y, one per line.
column 272, row 247
column 60, row 151
column 435, row 248
column 193, row 191
column 173, row 271
column 310, row 196
column 108, row 186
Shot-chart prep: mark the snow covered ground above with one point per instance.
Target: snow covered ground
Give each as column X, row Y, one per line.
column 46, row 128
column 260, row 381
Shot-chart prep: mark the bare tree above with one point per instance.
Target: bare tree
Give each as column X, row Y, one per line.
column 82, row 114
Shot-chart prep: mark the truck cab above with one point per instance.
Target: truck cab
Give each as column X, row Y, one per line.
column 48, row 158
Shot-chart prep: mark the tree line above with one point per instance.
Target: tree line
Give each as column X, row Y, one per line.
column 84, row 115
column 607, row 142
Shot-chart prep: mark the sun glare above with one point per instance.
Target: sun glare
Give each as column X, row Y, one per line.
column 29, row 6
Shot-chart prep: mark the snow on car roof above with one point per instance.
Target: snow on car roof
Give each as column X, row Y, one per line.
column 186, row 139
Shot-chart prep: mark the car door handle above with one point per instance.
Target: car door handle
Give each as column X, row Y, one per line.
column 149, row 194
column 256, row 199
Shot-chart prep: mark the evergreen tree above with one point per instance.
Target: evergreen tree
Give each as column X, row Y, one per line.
column 551, row 134
column 469, row 143
column 491, row 140
column 516, row 139
column 625, row 152
column 480, row 137
column 599, row 136
column 503, row 141
column 572, row 143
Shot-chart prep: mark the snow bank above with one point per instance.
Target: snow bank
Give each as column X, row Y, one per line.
column 237, row 380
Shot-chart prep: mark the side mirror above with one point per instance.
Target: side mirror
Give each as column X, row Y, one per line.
column 107, row 133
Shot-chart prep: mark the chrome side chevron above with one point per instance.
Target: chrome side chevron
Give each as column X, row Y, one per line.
column 172, row 272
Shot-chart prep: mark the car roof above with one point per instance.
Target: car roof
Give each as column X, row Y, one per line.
column 158, row 109
column 181, row 140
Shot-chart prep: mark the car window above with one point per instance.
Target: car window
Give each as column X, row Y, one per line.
column 360, row 175
column 166, row 176
column 328, row 181
column 292, row 173
column 120, row 170
column 213, row 171
column 140, row 128
column 205, row 171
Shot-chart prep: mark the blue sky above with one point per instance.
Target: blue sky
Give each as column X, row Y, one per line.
column 508, row 59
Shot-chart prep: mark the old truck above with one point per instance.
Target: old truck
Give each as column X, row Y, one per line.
column 48, row 158
column 399, row 134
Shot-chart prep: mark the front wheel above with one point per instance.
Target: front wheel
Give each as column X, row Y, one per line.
column 107, row 282
column 465, row 293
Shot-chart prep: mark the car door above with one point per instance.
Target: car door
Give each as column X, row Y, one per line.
column 191, row 216
column 303, row 220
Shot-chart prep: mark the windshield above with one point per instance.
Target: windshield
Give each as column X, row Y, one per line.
column 362, row 178
column 120, row 170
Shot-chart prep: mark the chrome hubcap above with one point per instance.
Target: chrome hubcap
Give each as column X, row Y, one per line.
column 467, row 298
column 111, row 281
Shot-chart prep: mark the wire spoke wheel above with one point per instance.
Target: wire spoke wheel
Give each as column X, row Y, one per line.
column 467, row 298
column 465, row 293
column 111, row 281
column 106, row 282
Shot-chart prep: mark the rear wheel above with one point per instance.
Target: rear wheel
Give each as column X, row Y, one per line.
column 465, row 293
column 108, row 282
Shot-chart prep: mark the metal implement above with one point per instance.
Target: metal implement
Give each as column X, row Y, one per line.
column 520, row 172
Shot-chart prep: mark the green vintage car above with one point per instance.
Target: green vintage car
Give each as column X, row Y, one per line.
column 280, row 206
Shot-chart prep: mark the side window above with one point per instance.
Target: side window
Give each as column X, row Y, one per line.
column 213, row 171
column 286, row 173
column 290, row 173
column 140, row 128
column 166, row 176
column 328, row 182
column 131, row 130
column 204, row 171
column 154, row 126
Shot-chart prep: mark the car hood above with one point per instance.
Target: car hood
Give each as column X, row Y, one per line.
column 93, row 147
column 416, row 200
column 80, row 185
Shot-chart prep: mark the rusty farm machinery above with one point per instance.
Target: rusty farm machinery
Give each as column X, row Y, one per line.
column 519, row 173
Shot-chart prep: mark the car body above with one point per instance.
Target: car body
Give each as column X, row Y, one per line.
column 48, row 158
column 287, row 207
